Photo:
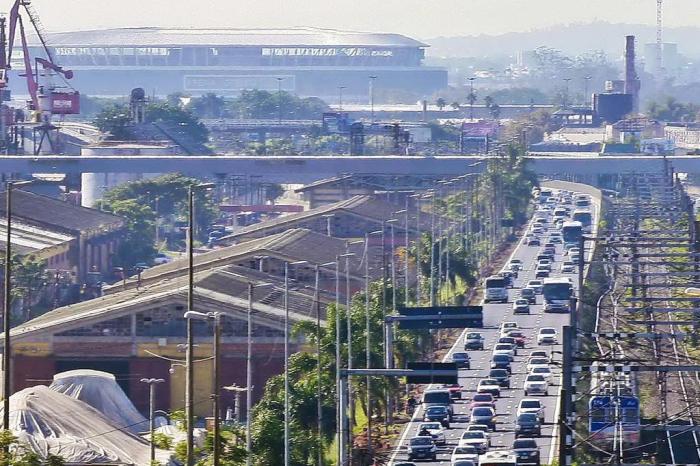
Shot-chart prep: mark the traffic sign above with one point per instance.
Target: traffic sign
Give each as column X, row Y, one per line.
column 433, row 366
column 412, row 318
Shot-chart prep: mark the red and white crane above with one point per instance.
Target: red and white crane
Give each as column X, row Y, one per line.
column 45, row 99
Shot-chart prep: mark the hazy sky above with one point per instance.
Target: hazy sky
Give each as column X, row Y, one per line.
column 418, row 18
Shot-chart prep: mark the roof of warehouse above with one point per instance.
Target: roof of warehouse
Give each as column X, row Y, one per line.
column 45, row 210
column 163, row 37
column 369, row 207
column 228, row 286
column 27, row 239
column 292, row 245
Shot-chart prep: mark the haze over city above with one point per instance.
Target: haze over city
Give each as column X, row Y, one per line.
column 420, row 18
column 349, row 233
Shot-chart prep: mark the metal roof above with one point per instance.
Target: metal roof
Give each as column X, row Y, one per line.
column 226, row 287
column 164, row 37
column 28, row 239
column 368, row 207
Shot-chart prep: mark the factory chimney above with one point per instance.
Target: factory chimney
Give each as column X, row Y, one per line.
column 632, row 84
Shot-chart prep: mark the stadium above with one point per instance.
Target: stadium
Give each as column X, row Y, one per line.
column 306, row 61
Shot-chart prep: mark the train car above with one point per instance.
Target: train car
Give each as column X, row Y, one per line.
column 613, row 408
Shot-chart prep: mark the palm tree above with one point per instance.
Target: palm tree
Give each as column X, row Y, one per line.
column 441, row 103
column 455, row 105
column 488, row 101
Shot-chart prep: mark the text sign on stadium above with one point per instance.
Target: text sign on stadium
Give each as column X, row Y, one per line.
column 441, row 317
column 433, row 366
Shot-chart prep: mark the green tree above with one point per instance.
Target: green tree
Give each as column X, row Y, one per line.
column 270, row 105
column 138, row 242
column 29, row 279
column 15, row 453
column 114, row 120
column 182, row 118
column 671, row 109
column 166, row 196
column 441, row 103
column 209, row 105
column 455, row 105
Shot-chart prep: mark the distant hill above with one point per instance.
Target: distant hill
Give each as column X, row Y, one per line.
column 572, row 39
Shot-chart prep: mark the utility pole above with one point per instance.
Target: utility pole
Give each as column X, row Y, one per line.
column 6, row 354
column 151, row 410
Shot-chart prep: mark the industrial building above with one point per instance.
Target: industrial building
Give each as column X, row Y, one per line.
column 305, row 61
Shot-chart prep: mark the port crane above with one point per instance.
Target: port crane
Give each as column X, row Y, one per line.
column 45, row 98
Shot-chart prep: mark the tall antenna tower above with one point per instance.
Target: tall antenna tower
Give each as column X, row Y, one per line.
column 659, row 39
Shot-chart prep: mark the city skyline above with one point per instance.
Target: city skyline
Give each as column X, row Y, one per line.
column 409, row 17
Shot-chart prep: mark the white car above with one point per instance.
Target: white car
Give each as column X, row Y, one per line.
column 464, row 453
column 534, row 363
column 547, row 336
column 545, row 372
column 545, row 263
column 521, row 306
column 476, row 439
column 574, row 251
column 489, row 386
column 540, row 354
column 568, row 267
column 505, row 348
column 535, row 384
column 515, row 264
column 535, row 285
column 530, row 405
column 436, row 431
column 506, row 327
column 480, row 428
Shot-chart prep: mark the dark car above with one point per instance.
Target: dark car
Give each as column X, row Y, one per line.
column 438, row 414
column 528, row 425
column 533, row 241
column 500, row 361
column 527, row 451
column 474, row 341
column 461, row 359
column 501, row 376
column 510, row 340
column 529, row 294
column 422, row 447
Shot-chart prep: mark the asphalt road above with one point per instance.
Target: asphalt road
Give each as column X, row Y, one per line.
column 506, row 405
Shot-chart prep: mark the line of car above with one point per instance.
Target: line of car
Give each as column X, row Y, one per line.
column 530, row 412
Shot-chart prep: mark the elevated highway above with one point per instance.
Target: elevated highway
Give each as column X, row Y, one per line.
column 302, row 169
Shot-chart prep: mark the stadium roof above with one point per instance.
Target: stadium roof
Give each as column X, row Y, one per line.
column 163, row 37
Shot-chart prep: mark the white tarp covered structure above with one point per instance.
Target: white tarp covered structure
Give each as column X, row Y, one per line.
column 101, row 391
column 50, row 422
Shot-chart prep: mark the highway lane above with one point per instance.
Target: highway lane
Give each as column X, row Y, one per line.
column 506, row 405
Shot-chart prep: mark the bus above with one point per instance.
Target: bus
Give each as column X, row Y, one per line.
column 498, row 458
column 496, row 289
column 572, row 232
column 557, row 293
column 585, row 217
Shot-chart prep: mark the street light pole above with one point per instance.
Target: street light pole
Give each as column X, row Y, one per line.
column 7, row 385
column 216, row 317
column 279, row 100
column 286, row 364
column 151, row 410
column 340, row 99
column 371, row 97
column 189, row 354
column 471, row 97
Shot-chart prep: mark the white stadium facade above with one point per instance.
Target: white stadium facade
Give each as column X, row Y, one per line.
column 310, row 62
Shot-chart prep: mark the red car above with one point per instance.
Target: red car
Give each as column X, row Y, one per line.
column 519, row 338
column 454, row 389
column 482, row 399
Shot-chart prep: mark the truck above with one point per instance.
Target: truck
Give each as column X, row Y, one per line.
column 557, row 293
column 496, row 289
